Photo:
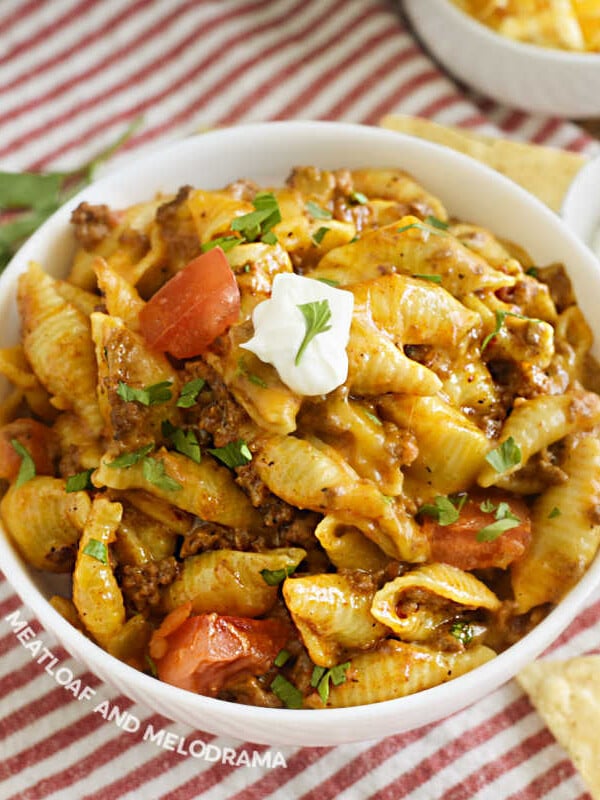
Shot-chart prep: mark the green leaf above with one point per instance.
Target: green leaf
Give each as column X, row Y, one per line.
column 290, row 696
column 556, row 512
column 185, row 442
column 431, row 278
column 316, row 676
column 97, row 550
column 420, row 226
column 154, row 472
column 234, row 454
column 27, row 468
column 255, row 379
column 80, row 481
column 533, row 271
column 317, row 212
column 358, row 199
column 487, row 506
column 132, row 457
column 463, row 632
column 505, row 456
column 269, row 238
column 504, row 512
column 373, row 417
column 226, row 243
column 320, row 235
column 259, row 222
column 273, row 577
column 30, row 189
column 317, row 316
column 329, row 282
column 500, row 318
column 436, row 223
column 491, row 532
column 321, row 678
column 189, row 393
column 151, row 666
column 443, row 510
column 151, row 395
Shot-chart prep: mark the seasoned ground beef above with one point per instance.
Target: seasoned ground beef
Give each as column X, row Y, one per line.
column 212, row 536
column 92, row 224
column 141, row 585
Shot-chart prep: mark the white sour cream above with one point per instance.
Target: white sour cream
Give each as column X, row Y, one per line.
column 280, row 328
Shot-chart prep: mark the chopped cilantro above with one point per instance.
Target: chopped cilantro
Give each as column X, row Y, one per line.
column 320, row 235
column 443, row 509
column 154, row 472
column 189, row 393
column 290, row 696
column 97, row 550
column 463, row 632
column 148, row 396
column 317, row 316
column 80, row 481
column 226, row 243
column 317, row 212
column 234, row 454
column 27, row 468
column 505, row 456
column 273, row 577
column 132, row 457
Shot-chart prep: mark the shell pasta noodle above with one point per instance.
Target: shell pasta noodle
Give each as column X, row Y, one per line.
column 301, row 446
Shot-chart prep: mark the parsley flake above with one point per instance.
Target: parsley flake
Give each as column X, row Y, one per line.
column 226, row 243
column 358, row 198
column 556, row 512
column 185, row 442
column 27, row 468
column 320, row 234
column 425, row 277
column 258, row 223
column 80, row 481
column 251, row 376
column 504, row 457
column 443, row 509
column 155, row 473
column 131, row 458
column 317, row 316
column 282, row 657
column 491, row 532
column 419, row 226
column 234, row 454
column 273, row 577
column 290, row 696
column 317, row 211
column 97, row 549
column 463, row 632
column 500, row 318
column 151, row 395
column 437, row 223
column 321, row 678
column 189, row 393
column 329, row 281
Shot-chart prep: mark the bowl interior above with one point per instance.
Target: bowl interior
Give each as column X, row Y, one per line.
column 266, row 153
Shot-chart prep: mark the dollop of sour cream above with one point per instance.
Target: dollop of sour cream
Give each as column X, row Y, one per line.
column 280, row 328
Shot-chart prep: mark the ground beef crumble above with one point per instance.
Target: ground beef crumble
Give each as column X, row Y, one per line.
column 141, row 585
column 92, row 224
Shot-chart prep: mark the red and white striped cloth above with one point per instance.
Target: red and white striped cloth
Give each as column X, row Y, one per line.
column 73, row 73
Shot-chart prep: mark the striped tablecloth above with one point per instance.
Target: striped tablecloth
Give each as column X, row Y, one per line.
column 73, row 73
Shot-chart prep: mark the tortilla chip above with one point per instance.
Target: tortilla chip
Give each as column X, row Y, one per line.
column 567, row 696
column 544, row 171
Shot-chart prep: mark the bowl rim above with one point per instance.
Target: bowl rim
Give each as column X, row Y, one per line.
column 116, row 673
column 551, row 55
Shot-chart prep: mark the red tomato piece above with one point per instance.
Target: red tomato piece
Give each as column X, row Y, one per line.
column 36, row 438
column 198, row 304
column 457, row 543
column 204, row 652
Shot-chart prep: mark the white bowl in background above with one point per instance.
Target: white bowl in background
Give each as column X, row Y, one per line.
column 266, row 153
column 539, row 80
column 581, row 206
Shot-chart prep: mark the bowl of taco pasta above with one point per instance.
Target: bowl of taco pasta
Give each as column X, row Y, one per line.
column 299, row 430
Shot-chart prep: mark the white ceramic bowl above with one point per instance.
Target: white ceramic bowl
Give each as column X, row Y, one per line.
column 581, row 206
column 531, row 78
column 266, row 153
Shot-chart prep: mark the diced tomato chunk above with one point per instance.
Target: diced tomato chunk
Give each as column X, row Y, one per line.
column 457, row 543
column 203, row 653
column 36, row 438
column 198, row 304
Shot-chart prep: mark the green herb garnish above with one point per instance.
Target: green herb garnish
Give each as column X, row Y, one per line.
column 491, row 532
column 151, row 666
column 358, row 198
column 321, row 678
column 80, row 481
column 151, row 395
column 27, row 468
column 505, row 456
column 373, row 417
column 533, row 271
column 420, row 226
column 431, row 278
column 273, row 577
column 437, row 223
column 463, row 632
column 443, row 509
column 226, row 243
column 33, row 197
column 189, row 393
column 126, row 460
column 185, row 442
column 329, row 281
column 320, row 235
column 258, row 223
column 317, row 316
column 317, row 212
column 556, row 512
column 97, row 550
column 234, row 454
column 290, row 696
column 251, row 376
column 154, row 472
column 282, row 657
column 500, row 317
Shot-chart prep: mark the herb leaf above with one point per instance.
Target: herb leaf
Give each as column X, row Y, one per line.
column 317, row 212
column 425, row 277
column 322, row 676
column 154, row 472
column 185, row 442
column 491, row 532
column 126, row 460
column 234, row 454
column 80, row 481
column 258, row 223
column 148, row 396
column 500, row 317
column 505, row 456
column 97, row 549
column 273, row 577
column 320, row 234
column 317, row 316
column 556, row 512
column 443, row 510
column 290, row 696
column 358, row 198
column 462, row 631
column 226, row 243
column 189, row 393
column 282, row 657
column 420, row 226
column 436, row 223
column 27, row 468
